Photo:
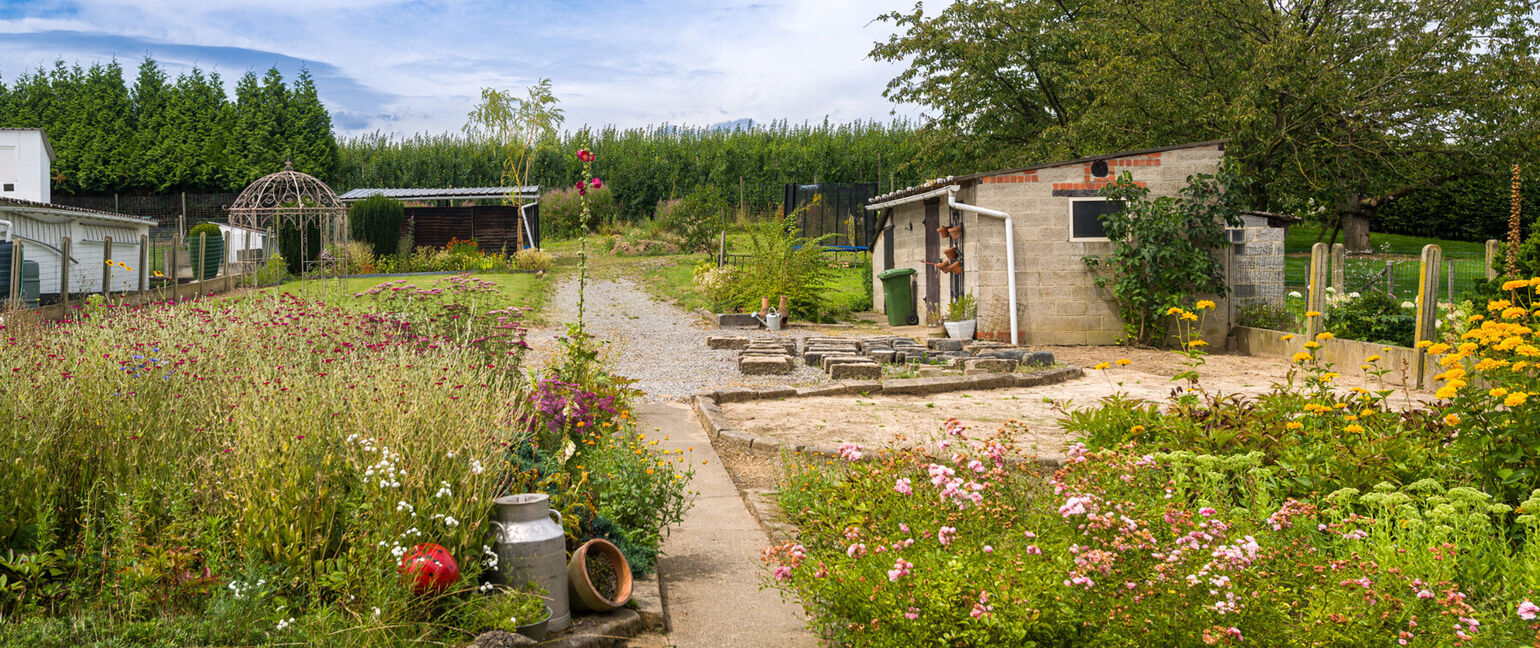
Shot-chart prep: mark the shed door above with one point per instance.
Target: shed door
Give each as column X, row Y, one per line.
column 932, row 252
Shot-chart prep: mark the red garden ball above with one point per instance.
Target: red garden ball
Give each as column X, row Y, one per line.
column 430, row 568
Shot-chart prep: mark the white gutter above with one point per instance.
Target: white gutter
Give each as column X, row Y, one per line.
column 909, row 199
column 1010, row 250
column 950, row 191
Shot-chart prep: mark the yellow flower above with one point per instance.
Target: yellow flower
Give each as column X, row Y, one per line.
column 1497, row 392
column 1516, row 399
column 1455, row 373
column 1197, row 343
column 1350, row 417
column 1191, row 317
column 1100, row 366
column 1312, row 345
column 1494, row 306
column 1445, row 393
column 1515, row 284
column 1475, row 318
column 1301, row 357
column 107, row 262
column 1452, row 419
column 1288, row 337
column 1520, row 365
column 1137, row 429
column 1373, row 358
column 1324, row 335
column 1424, row 344
column 1174, row 310
column 1354, row 429
column 1204, row 304
column 1293, row 425
column 1316, row 408
column 1312, row 313
column 1439, row 349
column 1329, row 376
column 1527, row 350
column 158, row 274
column 1515, row 312
column 1124, row 362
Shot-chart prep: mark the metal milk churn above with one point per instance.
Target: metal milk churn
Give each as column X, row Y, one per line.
column 531, row 546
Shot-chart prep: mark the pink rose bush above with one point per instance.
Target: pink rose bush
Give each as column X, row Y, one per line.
column 1120, row 548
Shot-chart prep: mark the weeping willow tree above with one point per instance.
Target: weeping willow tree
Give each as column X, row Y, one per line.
column 518, row 129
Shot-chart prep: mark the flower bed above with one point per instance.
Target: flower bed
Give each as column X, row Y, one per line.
column 1314, row 515
column 253, row 469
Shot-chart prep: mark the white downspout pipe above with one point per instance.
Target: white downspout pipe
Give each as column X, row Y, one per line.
column 528, row 236
column 1010, row 250
column 8, row 228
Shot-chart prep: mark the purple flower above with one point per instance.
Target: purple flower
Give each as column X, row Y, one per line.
column 1528, row 611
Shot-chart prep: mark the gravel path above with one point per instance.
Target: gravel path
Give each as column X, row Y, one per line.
column 660, row 346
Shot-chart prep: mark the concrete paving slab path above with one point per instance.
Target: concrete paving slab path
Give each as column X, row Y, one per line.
column 710, row 569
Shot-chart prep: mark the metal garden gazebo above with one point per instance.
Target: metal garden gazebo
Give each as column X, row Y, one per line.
column 301, row 201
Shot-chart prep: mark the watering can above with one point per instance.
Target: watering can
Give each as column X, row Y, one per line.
column 771, row 320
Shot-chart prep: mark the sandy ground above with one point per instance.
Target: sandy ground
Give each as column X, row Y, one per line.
column 879, row 420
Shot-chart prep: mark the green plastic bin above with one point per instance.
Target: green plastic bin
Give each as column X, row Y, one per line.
column 898, row 297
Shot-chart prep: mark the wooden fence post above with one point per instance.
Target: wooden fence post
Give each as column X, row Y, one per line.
column 1427, row 302
column 224, row 262
column 1315, row 302
column 107, row 266
column 13, row 296
column 1339, row 268
column 171, row 266
column 1492, row 246
column 64, row 269
column 144, row 263
column 198, row 270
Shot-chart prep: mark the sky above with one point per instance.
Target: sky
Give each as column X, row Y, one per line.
column 415, row 66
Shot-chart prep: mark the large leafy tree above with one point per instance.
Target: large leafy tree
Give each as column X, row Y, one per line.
column 1337, row 107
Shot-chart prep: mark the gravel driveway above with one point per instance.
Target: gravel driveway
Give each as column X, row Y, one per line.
column 660, row 346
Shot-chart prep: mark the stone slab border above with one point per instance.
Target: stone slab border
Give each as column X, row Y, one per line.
column 709, row 411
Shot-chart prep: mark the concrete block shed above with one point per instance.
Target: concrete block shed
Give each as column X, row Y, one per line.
column 1053, row 210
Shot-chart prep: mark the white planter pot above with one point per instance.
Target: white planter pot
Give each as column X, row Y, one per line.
column 961, row 330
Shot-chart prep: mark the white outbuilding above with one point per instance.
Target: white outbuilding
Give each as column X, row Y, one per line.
column 26, row 159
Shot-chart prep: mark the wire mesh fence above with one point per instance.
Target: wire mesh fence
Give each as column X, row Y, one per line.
column 1396, row 275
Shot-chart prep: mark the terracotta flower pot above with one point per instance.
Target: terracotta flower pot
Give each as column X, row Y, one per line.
column 584, row 593
column 941, row 230
column 954, row 232
column 952, row 268
column 951, row 253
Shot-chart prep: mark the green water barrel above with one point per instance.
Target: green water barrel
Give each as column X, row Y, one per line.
column 7, row 248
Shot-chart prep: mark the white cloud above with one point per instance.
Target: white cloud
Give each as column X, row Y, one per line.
column 413, row 66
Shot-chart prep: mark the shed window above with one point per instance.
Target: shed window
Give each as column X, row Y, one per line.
column 1085, row 218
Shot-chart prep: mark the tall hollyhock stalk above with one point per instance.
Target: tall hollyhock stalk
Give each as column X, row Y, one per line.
column 1513, row 225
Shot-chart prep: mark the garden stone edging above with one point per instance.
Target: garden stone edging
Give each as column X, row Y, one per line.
column 717, row 427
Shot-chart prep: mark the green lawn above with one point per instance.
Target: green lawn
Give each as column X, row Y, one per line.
column 514, row 289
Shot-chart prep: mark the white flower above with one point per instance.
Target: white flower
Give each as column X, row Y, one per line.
column 1295, row 294
column 1352, row 295
column 476, row 468
column 485, row 587
column 284, row 623
column 403, row 506
column 1330, row 290
column 397, row 551
column 451, row 454
column 1407, row 304
column 443, row 491
column 376, row 612
column 451, row 522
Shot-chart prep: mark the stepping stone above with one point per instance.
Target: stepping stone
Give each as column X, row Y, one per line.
column 859, row 371
column 931, row 372
column 881, row 354
column 945, row 344
column 1038, row 359
column 831, row 361
column 727, row 341
column 764, row 365
column 989, row 365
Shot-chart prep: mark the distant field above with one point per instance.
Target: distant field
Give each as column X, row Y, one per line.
column 1465, row 257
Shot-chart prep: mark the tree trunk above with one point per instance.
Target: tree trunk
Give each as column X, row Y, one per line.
column 1355, row 231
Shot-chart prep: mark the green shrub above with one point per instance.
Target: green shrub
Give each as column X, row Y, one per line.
column 781, row 262
column 696, row 218
column 561, row 212
column 377, row 220
column 963, row 308
column 1260, row 314
column 205, row 263
column 1375, row 316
